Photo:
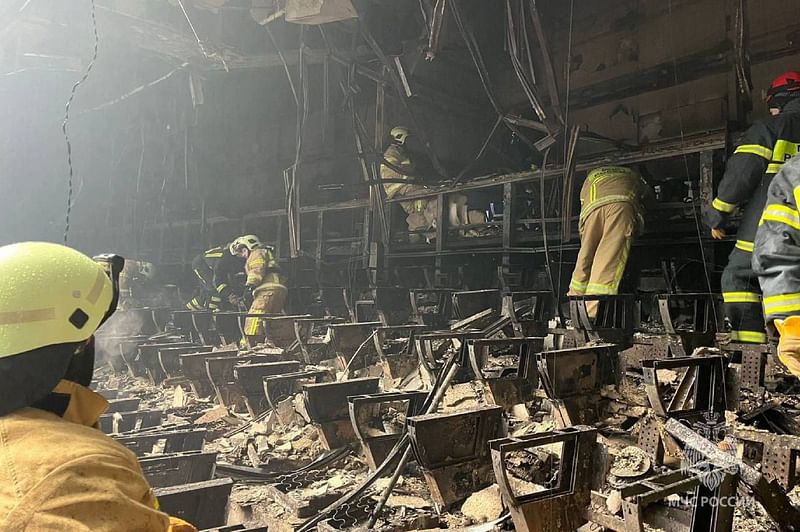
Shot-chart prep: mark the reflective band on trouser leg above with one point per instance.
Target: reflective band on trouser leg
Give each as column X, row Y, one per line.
column 600, row 289
column 252, row 325
column 749, row 337
column 741, row 294
column 194, row 304
column 744, row 245
column 741, row 297
column 255, row 326
column 578, row 287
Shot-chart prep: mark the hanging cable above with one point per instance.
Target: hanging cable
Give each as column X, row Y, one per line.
column 66, row 120
column 695, row 207
column 548, row 269
column 567, row 75
column 210, row 56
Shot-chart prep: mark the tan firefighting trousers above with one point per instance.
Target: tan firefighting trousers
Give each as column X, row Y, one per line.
column 268, row 298
column 421, row 213
column 789, row 344
column 606, row 236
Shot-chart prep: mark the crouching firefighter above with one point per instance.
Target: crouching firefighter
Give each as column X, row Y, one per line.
column 748, row 173
column 214, row 270
column 611, row 215
column 59, row 471
column 421, row 213
column 264, row 285
column 776, row 261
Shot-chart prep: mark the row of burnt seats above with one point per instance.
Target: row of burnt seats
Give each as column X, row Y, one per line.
column 663, row 326
column 262, row 382
column 687, row 321
column 462, row 452
column 172, row 458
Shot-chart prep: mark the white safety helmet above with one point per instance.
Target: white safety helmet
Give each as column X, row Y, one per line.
column 250, row 242
column 399, row 134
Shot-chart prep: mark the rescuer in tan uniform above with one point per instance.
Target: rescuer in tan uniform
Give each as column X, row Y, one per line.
column 59, row 472
column 611, row 206
column 420, row 212
column 263, row 282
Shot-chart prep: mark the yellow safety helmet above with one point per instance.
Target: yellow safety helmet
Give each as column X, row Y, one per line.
column 52, row 300
column 399, row 134
column 250, row 242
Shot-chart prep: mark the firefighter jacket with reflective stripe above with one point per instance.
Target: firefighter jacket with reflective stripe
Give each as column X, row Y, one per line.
column 262, row 269
column 776, row 255
column 60, row 473
column 215, row 268
column 760, row 155
column 398, row 157
column 612, row 184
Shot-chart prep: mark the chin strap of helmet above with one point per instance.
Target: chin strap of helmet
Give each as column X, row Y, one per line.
column 113, row 265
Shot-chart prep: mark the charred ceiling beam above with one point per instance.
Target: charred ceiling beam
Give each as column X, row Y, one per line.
column 715, row 60
column 661, row 76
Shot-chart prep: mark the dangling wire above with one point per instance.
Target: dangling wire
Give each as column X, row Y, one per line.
column 686, row 165
column 66, row 120
column 568, row 76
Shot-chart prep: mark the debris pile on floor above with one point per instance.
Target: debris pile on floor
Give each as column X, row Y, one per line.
column 505, row 435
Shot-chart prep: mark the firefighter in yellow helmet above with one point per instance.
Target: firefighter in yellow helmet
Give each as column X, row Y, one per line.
column 215, row 269
column 264, row 283
column 59, row 471
column 398, row 167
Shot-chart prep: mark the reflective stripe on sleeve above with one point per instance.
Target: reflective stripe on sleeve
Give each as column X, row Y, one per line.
column 755, row 149
column 723, row 206
column 744, row 245
column 782, row 304
column 781, row 214
column 774, row 168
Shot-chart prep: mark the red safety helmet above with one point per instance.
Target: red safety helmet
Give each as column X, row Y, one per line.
column 788, row 82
